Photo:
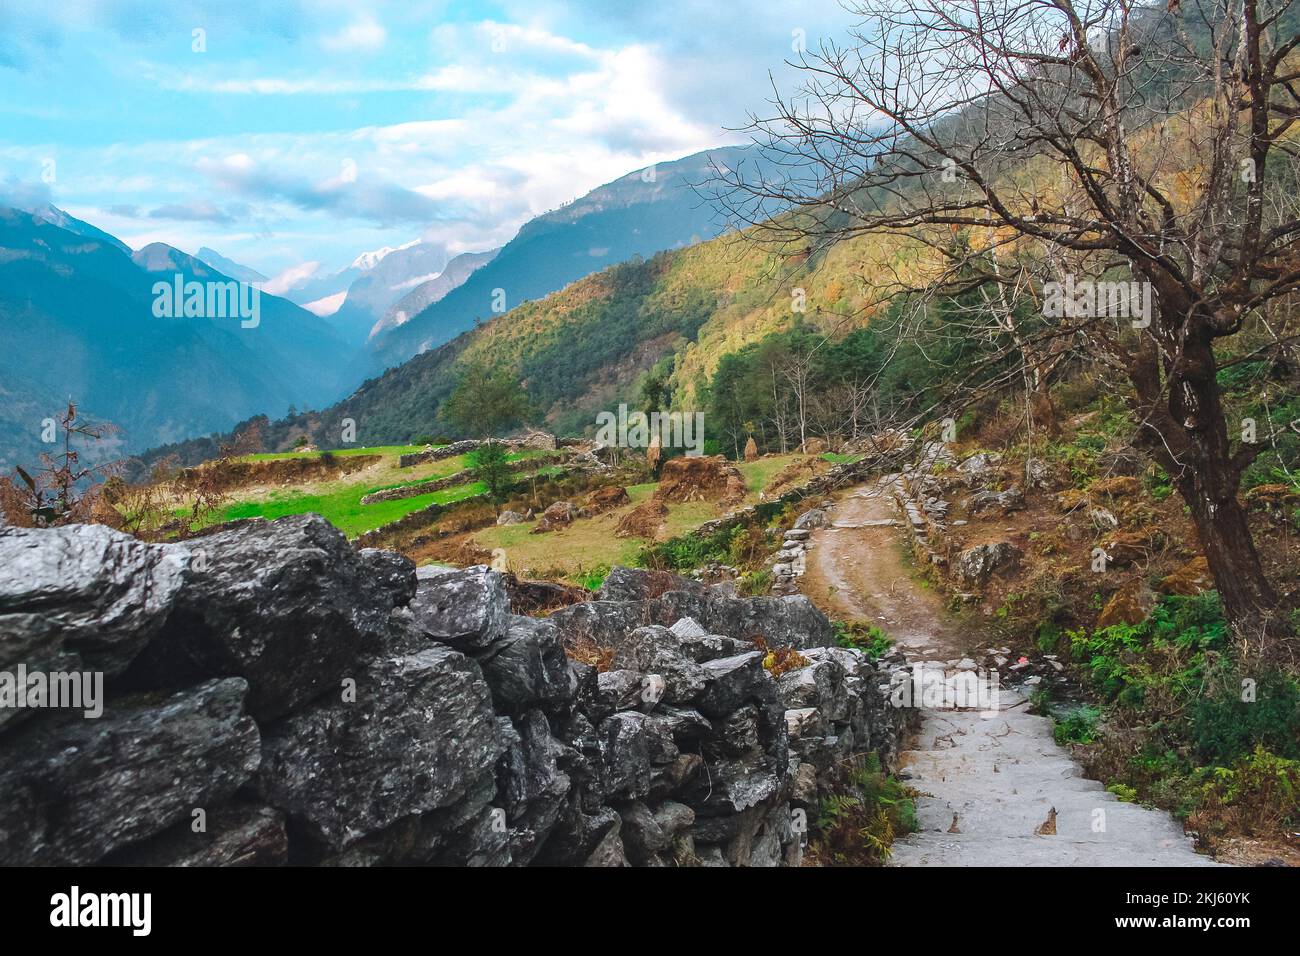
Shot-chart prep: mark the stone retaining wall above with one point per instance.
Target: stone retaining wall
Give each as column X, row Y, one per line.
column 275, row 696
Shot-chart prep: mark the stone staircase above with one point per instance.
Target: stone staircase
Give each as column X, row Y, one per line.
column 1000, row 775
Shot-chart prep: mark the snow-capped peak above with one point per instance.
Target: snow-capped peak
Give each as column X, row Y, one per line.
column 368, row 260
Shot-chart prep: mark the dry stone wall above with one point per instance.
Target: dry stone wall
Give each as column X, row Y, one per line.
column 272, row 695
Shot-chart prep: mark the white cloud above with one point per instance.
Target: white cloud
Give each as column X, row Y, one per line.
column 290, row 278
column 326, row 306
column 363, row 35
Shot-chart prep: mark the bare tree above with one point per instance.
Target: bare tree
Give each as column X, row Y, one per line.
column 1111, row 139
column 63, row 490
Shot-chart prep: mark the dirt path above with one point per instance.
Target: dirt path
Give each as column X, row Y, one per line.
column 857, row 570
column 990, row 778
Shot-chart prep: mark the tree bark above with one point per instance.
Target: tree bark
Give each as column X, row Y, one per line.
column 1250, row 603
column 1186, row 432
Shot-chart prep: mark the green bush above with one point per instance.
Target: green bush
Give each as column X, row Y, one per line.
column 1224, row 727
column 1078, row 727
column 865, row 637
column 592, row 578
column 1165, row 655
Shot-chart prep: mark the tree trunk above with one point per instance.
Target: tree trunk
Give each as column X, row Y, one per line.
column 1186, row 433
column 1249, row 601
column 1043, row 411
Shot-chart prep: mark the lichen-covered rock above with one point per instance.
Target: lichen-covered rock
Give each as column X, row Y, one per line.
column 465, row 608
column 77, row 789
column 285, row 604
column 1192, row 578
column 812, row 519
column 1125, row 547
column 1129, row 605
column 238, row 834
column 976, row 565
column 527, row 667
column 82, row 595
column 418, row 735
column 1005, row 501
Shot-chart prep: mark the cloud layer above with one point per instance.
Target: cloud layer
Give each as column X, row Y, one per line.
column 287, row 132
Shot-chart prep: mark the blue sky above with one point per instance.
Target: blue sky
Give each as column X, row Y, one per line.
column 294, row 134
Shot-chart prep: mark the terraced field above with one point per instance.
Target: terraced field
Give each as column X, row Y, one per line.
column 571, row 553
column 339, row 500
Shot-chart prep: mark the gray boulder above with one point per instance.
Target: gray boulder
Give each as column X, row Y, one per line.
column 285, row 604
column 976, row 565
column 82, row 595
column 465, row 608
column 1007, row 501
column 812, row 519
column 731, row 681
column 640, row 584
column 531, row 785
column 792, row 621
column 527, row 666
column 238, row 834
column 419, row 735
column 77, row 789
column 657, row 650
column 392, row 573
column 625, row 756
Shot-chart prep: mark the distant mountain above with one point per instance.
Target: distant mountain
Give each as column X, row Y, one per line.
column 386, row 275
column 78, row 319
column 431, row 291
column 642, row 213
column 57, row 217
column 227, row 267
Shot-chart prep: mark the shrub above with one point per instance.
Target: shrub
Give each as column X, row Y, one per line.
column 1078, row 727
column 1159, row 663
column 592, row 578
column 755, row 583
column 1125, row 794
column 1258, row 795
column 1223, row 726
column 858, row 827
column 865, row 637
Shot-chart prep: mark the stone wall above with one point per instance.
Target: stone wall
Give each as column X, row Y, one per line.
column 275, row 696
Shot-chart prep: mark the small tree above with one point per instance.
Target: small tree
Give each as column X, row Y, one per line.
column 62, row 491
column 485, row 401
column 490, row 464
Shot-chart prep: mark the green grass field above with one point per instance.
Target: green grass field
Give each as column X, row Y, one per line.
column 343, row 507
